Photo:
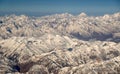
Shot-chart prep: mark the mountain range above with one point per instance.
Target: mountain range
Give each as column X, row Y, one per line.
column 60, row 44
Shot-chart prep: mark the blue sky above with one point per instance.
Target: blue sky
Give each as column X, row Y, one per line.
column 46, row 7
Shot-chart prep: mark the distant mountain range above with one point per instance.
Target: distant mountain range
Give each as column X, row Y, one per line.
column 81, row 26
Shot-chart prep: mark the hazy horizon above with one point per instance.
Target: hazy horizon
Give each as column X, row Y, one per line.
column 48, row 7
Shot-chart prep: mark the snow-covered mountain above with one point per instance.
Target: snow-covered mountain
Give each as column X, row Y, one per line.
column 60, row 44
column 81, row 26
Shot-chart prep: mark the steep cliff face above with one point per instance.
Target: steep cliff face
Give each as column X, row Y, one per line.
column 60, row 44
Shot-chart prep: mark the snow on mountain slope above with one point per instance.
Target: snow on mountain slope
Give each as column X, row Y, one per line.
column 81, row 26
column 60, row 44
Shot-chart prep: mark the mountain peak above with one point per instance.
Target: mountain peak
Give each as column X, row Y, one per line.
column 82, row 14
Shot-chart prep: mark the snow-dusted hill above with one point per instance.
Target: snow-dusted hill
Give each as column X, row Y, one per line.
column 60, row 44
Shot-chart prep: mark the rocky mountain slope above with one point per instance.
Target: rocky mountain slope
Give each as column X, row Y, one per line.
column 60, row 44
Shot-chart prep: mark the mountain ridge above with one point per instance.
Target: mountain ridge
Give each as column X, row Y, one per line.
column 77, row 26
